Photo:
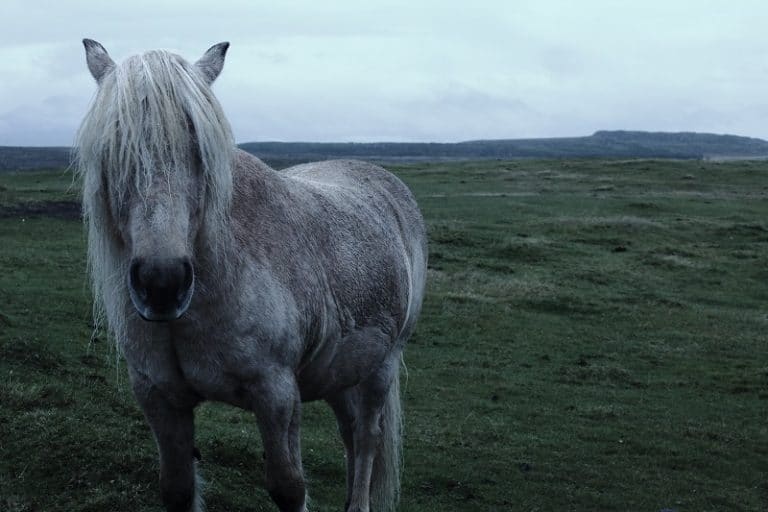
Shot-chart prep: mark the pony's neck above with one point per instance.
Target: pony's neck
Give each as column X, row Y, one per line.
column 220, row 251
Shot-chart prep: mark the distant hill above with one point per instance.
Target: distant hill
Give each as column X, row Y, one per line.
column 605, row 144
column 19, row 157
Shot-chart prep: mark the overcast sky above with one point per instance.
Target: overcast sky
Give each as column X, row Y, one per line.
column 409, row 70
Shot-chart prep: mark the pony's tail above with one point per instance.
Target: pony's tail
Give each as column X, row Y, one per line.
column 385, row 478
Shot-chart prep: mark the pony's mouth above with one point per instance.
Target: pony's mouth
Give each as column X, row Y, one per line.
column 160, row 293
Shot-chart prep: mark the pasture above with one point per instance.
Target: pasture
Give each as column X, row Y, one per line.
column 594, row 338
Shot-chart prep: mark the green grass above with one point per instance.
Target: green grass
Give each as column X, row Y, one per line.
column 36, row 186
column 595, row 337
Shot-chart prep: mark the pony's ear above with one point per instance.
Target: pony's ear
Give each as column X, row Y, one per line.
column 212, row 62
column 99, row 61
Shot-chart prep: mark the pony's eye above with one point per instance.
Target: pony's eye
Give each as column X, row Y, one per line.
column 197, row 158
column 193, row 140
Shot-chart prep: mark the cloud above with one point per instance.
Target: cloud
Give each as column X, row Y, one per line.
column 403, row 70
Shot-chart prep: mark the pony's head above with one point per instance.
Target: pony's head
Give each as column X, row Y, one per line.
column 155, row 154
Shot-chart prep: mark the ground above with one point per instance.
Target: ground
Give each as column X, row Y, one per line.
column 594, row 337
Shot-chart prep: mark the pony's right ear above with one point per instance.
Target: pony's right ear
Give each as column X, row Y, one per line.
column 99, row 61
column 212, row 62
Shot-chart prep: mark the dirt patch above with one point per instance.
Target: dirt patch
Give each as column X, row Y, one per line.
column 69, row 210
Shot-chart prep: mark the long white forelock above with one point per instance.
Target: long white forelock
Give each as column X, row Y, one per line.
column 139, row 121
column 151, row 114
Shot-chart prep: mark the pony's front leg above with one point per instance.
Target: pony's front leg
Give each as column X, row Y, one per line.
column 173, row 428
column 277, row 405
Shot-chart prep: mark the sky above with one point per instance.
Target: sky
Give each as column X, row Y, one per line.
column 408, row 70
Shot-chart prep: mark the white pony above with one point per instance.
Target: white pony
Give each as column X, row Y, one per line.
column 222, row 279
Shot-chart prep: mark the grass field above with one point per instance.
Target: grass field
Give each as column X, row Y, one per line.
column 594, row 338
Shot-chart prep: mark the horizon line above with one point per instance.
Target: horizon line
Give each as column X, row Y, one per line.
column 276, row 141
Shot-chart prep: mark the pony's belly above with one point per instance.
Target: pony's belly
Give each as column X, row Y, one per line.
column 345, row 363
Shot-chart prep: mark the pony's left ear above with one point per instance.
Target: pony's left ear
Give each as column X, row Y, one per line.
column 212, row 62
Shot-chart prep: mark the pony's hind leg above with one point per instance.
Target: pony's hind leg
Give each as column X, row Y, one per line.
column 173, row 428
column 344, row 406
column 372, row 404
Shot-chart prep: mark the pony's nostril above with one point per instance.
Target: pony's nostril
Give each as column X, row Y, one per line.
column 188, row 274
column 161, row 286
column 136, row 282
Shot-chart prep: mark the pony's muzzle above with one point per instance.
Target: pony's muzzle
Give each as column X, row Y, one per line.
column 161, row 289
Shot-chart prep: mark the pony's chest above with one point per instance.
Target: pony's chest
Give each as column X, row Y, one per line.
column 211, row 380
column 202, row 375
column 212, row 373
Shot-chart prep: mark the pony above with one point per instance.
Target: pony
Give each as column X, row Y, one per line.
column 223, row 279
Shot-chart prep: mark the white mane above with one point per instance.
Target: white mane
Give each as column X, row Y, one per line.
column 153, row 113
